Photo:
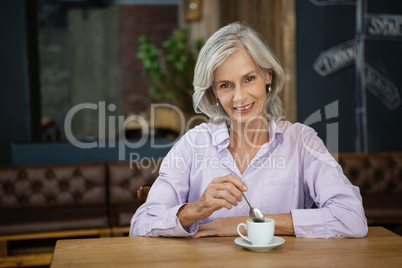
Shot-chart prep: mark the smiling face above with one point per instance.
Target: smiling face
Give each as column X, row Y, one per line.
column 240, row 86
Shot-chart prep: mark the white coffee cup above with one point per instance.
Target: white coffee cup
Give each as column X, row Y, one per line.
column 258, row 233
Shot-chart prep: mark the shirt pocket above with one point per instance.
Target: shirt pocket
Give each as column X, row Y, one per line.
column 278, row 195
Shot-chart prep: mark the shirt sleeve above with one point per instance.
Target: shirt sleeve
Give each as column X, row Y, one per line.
column 340, row 211
column 157, row 216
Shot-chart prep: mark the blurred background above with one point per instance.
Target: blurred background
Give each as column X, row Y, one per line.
column 343, row 56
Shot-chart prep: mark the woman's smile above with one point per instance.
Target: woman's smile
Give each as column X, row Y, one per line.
column 244, row 109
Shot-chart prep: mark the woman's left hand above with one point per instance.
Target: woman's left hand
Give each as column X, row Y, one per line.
column 221, row 227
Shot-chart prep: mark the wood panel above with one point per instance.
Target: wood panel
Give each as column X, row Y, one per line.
column 289, row 97
column 42, row 259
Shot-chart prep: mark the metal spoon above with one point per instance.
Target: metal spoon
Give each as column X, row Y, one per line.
column 255, row 214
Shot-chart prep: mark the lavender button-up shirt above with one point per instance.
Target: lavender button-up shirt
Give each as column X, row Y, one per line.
column 289, row 173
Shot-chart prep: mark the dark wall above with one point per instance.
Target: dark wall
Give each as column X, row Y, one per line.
column 328, row 76
column 19, row 104
column 383, row 51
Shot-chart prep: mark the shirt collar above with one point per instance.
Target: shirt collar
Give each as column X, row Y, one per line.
column 220, row 134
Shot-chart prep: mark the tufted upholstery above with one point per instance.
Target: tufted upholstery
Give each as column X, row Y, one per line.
column 379, row 177
column 52, row 198
column 125, row 179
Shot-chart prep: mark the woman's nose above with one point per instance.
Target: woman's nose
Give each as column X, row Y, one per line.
column 239, row 95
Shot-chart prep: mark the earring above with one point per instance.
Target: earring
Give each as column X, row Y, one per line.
column 217, row 104
column 268, row 87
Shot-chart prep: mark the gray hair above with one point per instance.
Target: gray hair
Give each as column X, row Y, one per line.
column 216, row 50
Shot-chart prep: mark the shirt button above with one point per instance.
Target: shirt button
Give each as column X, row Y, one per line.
column 241, row 206
column 339, row 236
column 147, row 229
column 166, row 223
column 310, row 232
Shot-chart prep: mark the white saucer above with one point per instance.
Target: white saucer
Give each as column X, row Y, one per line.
column 276, row 241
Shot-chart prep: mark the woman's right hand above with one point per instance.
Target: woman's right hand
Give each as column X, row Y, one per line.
column 222, row 192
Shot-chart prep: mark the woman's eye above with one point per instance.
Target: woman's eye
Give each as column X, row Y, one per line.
column 250, row 78
column 224, row 86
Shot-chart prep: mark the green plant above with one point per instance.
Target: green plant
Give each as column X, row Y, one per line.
column 170, row 69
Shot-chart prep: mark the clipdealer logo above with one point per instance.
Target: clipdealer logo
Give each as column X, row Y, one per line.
column 330, row 111
column 107, row 125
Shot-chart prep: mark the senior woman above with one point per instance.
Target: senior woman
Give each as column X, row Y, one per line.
column 247, row 146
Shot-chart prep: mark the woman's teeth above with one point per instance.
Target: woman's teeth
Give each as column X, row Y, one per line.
column 244, row 108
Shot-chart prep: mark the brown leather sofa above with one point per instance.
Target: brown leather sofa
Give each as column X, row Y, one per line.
column 379, row 177
column 126, row 178
column 52, row 198
column 40, row 204
column 49, row 198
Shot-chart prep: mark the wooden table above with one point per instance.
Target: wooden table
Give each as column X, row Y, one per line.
column 381, row 248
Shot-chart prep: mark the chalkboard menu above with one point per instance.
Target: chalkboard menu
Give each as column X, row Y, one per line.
column 349, row 64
